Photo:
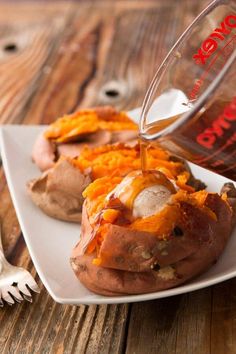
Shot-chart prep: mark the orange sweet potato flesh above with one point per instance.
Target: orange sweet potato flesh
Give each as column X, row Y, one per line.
column 135, row 262
column 120, row 159
column 95, row 163
column 92, row 127
column 89, row 121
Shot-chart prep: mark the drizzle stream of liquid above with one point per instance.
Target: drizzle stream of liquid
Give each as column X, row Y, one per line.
column 153, row 128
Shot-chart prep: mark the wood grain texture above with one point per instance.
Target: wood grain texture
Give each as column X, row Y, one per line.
column 181, row 324
column 223, row 325
column 71, row 54
column 28, row 42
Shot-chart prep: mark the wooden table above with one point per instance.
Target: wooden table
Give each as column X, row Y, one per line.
column 58, row 56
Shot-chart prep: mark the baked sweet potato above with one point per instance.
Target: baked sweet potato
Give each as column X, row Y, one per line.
column 125, row 249
column 93, row 127
column 59, row 190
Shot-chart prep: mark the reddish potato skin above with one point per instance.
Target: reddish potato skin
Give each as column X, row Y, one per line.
column 43, row 153
column 58, row 192
column 111, row 282
column 86, row 229
column 136, row 251
column 125, row 271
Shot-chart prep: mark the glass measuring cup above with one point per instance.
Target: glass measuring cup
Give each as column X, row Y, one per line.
column 190, row 106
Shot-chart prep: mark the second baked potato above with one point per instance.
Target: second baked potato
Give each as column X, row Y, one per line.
column 58, row 192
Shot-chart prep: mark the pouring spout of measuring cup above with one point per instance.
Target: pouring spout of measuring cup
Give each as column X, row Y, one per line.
column 190, row 105
column 166, row 107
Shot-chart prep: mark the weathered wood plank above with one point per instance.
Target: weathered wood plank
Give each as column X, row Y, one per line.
column 71, row 70
column 223, row 326
column 29, row 36
column 100, row 43
column 179, row 324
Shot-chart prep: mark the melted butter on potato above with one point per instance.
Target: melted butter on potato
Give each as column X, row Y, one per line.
column 122, row 190
column 150, row 201
column 145, row 193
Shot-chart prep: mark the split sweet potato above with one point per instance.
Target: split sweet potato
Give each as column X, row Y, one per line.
column 92, row 127
column 127, row 255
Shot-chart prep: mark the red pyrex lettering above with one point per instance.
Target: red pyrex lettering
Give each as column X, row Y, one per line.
column 210, row 44
column 222, row 123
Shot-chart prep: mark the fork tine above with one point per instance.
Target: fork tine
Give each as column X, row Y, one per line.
column 23, row 289
column 15, row 293
column 19, row 289
column 7, row 297
column 32, row 285
column 28, row 298
column 1, row 301
column 17, row 300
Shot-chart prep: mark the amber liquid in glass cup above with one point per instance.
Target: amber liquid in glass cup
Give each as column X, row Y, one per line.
column 190, row 107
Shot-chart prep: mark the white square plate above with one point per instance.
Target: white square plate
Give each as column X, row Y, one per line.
column 50, row 241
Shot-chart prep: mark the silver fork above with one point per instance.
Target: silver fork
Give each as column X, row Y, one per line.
column 15, row 282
